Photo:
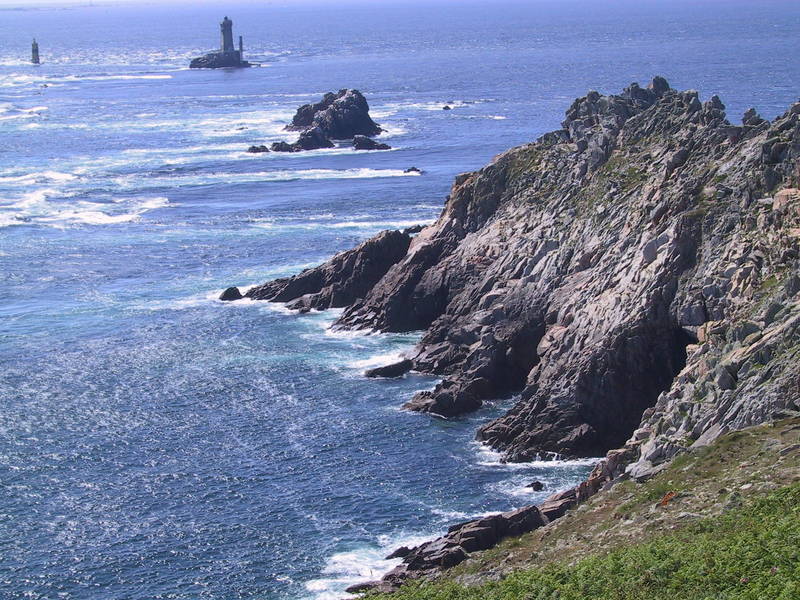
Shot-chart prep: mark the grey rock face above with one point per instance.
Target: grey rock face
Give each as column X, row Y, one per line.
column 336, row 117
column 342, row 280
column 362, row 142
column 340, row 116
column 397, row 369
column 231, row 294
column 599, row 275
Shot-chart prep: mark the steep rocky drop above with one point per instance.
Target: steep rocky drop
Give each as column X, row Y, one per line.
column 631, row 263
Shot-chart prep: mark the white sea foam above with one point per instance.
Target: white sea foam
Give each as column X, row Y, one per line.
column 491, row 458
column 51, row 207
column 366, row 225
column 376, row 360
column 9, row 112
column 278, row 175
column 112, row 77
column 179, row 303
column 42, row 177
column 360, row 564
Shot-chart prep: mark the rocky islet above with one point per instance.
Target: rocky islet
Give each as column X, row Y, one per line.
column 338, row 116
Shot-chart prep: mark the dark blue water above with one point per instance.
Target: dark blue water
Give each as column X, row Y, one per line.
column 156, row 443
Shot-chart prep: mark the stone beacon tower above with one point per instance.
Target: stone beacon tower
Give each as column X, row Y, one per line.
column 35, row 52
column 227, row 57
column 226, row 27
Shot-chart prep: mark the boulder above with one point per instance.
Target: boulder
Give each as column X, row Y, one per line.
column 257, row 149
column 284, row 147
column 413, row 170
column 401, row 552
column 230, row 294
column 536, row 486
column 313, row 139
column 362, row 142
column 397, row 369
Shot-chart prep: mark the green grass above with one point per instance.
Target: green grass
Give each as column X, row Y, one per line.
column 750, row 553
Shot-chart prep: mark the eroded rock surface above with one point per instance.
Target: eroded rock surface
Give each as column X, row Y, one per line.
column 603, row 273
column 339, row 282
column 340, row 116
column 633, row 278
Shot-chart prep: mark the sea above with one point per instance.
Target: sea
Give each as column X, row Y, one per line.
column 156, row 443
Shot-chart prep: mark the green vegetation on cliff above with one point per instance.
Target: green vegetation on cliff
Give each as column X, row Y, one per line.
column 731, row 531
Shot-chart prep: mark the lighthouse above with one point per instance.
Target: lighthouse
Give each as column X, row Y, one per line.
column 227, row 56
column 35, row 52
column 226, row 27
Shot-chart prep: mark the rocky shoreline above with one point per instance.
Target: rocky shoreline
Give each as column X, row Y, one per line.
column 632, row 278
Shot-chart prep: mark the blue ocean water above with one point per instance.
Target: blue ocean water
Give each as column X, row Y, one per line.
column 156, row 443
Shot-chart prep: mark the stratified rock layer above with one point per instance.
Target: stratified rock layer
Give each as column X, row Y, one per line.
column 339, row 282
column 641, row 261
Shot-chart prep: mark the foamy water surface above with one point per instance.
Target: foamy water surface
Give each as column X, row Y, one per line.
column 156, row 442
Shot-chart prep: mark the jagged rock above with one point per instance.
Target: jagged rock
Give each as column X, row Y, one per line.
column 598, row 274
column 401, row 552
column 461, row 540
column 397, row 369
column 360, row 588
column 340, row 116
column 304, row 117
column 285, row 147
column 313, row 139
column 362, row 142
column 339, row 282
column 257, row 149
column 230, row 294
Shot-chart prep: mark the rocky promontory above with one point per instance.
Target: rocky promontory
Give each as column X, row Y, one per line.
column 631, row 279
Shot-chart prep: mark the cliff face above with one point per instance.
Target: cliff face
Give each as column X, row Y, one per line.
column 636, row 270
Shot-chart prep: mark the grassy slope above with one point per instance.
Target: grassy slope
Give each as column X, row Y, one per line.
column 731, row 531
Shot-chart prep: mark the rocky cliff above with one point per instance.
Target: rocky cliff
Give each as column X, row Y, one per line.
column 634, row 271
column 632, row 279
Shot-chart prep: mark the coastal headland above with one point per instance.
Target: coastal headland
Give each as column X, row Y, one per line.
column 630, row 278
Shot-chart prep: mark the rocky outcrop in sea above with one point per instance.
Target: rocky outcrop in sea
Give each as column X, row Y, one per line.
column 631, row 278
column 338, row 116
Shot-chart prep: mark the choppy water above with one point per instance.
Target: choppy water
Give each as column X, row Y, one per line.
column 156, row 443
